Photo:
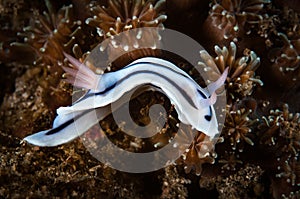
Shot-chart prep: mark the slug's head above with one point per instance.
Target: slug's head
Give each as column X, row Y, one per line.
column 207, row 121
column 207, row 118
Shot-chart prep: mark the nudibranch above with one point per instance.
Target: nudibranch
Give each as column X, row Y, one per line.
column 193, row 103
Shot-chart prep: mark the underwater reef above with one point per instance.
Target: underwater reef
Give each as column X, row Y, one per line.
column 257, row 153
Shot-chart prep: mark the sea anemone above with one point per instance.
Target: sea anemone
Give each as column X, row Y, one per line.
column 241, row 75
column 231, row 16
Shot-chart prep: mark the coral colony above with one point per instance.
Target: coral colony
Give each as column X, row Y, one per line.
column 257, row 154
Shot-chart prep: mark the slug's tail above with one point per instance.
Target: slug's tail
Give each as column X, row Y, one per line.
column 80, row 75
column 68, row 127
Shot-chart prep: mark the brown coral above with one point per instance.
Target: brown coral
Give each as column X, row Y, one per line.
column 239, row 125
column 241, row 75
column 120, row 16
column 200, row 152
column 283, row 129
column 291, row 171
column 50, row 34
column 230, row 16
column 281, row 31
column 291, row 20
column 280, row 24
column 13, row 13
column 280, row 132
column 286, row 58
column 230, row 161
